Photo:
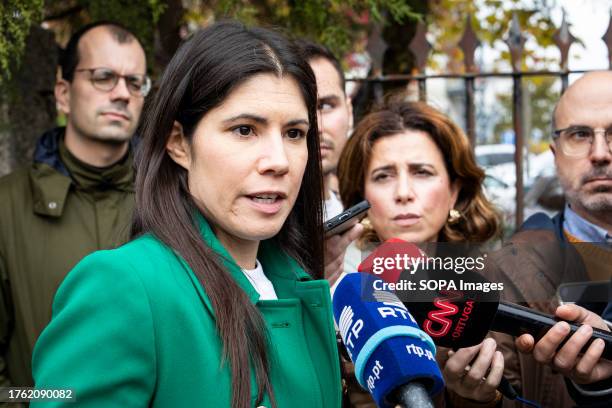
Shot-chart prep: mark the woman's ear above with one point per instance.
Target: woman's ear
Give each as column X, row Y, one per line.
column 178, row 147
column 455, row 189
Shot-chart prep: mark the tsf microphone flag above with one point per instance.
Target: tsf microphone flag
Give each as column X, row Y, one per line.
column 383, row 340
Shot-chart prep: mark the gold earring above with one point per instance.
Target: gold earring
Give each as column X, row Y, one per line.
column 368, row 234
column 454, row 216
column 367, row 225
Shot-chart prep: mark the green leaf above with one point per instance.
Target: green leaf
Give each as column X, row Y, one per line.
column 16, row 18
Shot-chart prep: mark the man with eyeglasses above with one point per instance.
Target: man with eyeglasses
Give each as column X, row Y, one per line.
column 77, row 196
column 574, row 246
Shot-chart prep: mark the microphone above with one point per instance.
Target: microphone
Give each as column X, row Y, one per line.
column 516, row 320
column 394, row 359
column 457, row 317
column 406, row 256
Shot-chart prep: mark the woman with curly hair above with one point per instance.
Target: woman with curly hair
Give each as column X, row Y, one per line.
column 418, row 171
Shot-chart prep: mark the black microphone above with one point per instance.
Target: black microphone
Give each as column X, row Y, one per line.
column 516, row 320
column 462, row 318
column 457, row 320
column 457, row 313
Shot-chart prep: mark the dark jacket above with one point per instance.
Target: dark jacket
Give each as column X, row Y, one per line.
column 49, row 220
column 607, row 314
column 532, row 265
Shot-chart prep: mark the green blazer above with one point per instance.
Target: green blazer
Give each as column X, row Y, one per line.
column 133, row 327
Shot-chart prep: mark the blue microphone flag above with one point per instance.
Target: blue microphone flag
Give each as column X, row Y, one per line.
column 383, row 339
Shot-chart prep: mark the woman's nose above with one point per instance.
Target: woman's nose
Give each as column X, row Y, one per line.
column 404, row 191
column 274, row 156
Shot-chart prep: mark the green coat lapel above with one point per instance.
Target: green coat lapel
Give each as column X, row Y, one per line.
column 281, row 269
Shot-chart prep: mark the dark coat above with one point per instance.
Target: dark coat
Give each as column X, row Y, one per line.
column 47, row 225
column 532, row 265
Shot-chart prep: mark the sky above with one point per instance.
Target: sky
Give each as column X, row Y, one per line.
column 588, row 21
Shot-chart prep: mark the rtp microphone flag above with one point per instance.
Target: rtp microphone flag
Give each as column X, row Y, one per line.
column 383, row 339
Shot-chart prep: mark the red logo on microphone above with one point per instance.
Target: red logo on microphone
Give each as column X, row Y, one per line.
column 439, row 322
column 446, row 308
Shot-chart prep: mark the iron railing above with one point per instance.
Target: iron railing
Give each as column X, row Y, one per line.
column 468, row 43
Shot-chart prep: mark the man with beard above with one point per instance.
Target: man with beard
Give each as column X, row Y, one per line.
column 335, row 117
column 335, row 121
column 77, row 196
column 573, row 246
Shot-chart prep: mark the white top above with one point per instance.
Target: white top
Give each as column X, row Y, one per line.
column 352, row 258
column 260, row 282
column 332, row 207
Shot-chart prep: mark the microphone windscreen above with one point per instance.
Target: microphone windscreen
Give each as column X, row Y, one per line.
column 450, row 307
column 383, row 339
column 401, row 256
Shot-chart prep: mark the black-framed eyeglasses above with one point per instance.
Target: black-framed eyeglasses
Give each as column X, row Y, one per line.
column 577, row 140
column 105, row 79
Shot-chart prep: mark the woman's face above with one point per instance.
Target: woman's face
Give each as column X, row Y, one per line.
column 248, row 157
column 408, row 188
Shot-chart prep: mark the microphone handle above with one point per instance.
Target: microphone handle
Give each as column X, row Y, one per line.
column 516, row 320
column 413, row 395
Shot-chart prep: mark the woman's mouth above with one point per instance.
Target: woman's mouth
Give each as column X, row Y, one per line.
column 265, row 199
column 268, row 203
column 406, row 220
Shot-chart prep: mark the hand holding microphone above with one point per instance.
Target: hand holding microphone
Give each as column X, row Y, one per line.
column 565, row 358
column 335, row 248
column 473, row 372
column 461, row 318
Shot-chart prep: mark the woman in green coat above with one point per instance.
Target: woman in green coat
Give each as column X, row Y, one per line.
column 217, row 301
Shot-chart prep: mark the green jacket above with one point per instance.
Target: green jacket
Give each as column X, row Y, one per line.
column 133, row 327
column 52, row 214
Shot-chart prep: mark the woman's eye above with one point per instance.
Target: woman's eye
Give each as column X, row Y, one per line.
column 380, row 177
column 243, row 130
column 295, row 134
column 423, row 172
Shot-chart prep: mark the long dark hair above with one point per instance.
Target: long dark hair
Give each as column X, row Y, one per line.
column 200, row 76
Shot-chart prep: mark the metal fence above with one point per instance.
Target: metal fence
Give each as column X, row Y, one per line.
column 468, row 43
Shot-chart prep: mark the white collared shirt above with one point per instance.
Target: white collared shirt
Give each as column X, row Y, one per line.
column 332, row 206
column 260, row 282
